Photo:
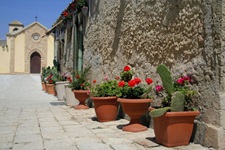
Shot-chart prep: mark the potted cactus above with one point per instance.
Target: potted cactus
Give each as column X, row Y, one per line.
column 174, row 121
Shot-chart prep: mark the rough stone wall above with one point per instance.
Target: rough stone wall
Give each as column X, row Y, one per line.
column 65, row 47
column 183, row 34
column 144, row 33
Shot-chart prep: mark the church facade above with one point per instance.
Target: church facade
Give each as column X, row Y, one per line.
column 26, row 49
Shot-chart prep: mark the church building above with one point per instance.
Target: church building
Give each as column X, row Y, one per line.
column 26, row 49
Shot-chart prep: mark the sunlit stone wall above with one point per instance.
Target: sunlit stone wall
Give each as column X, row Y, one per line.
column 186, row 35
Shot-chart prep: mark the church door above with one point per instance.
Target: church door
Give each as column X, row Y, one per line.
column 35, row 63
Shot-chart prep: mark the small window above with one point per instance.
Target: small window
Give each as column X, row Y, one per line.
column 36, row 36
column 15, row 29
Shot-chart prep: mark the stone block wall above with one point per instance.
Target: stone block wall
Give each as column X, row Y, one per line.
column 39, row 46
column 186, row 35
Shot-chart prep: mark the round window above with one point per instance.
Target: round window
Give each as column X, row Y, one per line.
column 36, row 36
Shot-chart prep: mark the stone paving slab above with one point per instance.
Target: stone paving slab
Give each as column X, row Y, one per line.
column 38, row 121
column 77, row 131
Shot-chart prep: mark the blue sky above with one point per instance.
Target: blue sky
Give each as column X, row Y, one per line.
column 25, row 11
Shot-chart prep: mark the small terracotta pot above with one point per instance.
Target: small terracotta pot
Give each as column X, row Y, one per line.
column 43, row 86
column 134, row 108
column 105, row 108
column 81, row 95
column 174, row 128
column 50, row 88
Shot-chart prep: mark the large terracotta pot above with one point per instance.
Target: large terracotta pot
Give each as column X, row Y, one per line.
column 105, row 108
column 69, row 97
column 60, row 89
column 134, row 108
column 81, row 95
column 174, row 128
column 50, row 88
column 43, row 86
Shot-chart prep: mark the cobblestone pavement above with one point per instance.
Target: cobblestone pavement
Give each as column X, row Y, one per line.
column 31, row 119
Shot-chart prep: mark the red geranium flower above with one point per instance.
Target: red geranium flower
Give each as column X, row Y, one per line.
column 69, row 79
column 49, row 76
column 77, row 76
column 73, row 5
column 137, row 80
column 149, row 80
column 65, row 14
column 121, row 83
column 50, row 81
column 94, row 81
column 131, row 83
column 126, row 68
column 82, row 84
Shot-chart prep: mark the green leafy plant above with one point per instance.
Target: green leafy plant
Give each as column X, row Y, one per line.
column 45, row 72
column 57, row 76
column 133, row 88
column 179, row 93
column 105, row 89
column 80, row 81
column 80, row 4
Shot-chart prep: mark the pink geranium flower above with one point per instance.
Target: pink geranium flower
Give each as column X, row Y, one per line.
column 158, row 88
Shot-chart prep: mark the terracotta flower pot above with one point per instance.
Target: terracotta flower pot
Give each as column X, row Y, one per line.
column 134, row 108
column 60, row 89
column 50, row 88
column 105, row 108
column 174, row 128
column 81, row 95
column 43, row 86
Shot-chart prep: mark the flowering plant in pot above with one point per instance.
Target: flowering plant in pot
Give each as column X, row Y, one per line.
column 61, row 79
column 105, row 101
column 50, row 83
column 176, row 111
column 45, row 72
column 81, row 4
column 81, row 86
column 80, row 81
column 134, row 97
column 57, row 76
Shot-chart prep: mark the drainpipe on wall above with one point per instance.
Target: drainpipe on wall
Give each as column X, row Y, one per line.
column 74, row 44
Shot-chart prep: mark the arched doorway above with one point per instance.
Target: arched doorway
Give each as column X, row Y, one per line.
column 35, row 63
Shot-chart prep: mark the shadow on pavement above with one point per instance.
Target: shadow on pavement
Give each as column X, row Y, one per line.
column 57, row 103
column 153, row 139
column 94, row 119
column 121, row 126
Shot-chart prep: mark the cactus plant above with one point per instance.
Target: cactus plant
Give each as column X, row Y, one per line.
column 166, row 77
column 177, row 101
column 177, row 104
column 159, row 112
column 177, row 98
